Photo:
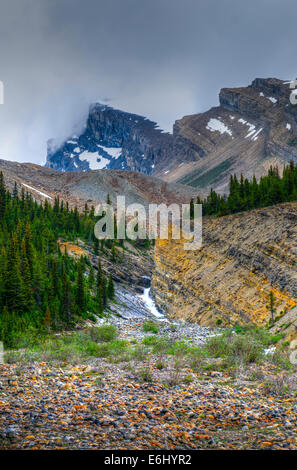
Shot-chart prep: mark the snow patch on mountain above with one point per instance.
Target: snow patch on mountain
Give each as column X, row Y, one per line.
column 216, row 125
column 114, row 152
column 95, row 160
column 39, row 192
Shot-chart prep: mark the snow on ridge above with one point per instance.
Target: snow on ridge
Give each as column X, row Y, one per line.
column 255, row 136
column 216, row 125
column 288, row 126
column 39, row 192
column 252, row 132
column 270, row 98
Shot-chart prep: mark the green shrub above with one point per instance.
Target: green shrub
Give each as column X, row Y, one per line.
column 146, row 375
column 103, row 333
column 150, row 327
column 140, row 352
column 196, row 359
column 150, row 340
column 243, row 348
column 160, row 365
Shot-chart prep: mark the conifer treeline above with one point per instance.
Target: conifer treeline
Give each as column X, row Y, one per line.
column 40, row 287
column 245, row 195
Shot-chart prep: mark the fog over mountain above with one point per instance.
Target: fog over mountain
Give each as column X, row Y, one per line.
column 162, row 59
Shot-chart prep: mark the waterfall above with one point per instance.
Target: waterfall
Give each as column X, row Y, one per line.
column 150, row 304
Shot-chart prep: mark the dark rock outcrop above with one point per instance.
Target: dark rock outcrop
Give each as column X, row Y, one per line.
column 112, row 139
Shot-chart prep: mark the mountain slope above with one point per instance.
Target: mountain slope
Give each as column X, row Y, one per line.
column 92, row 186
column 243, row 257
column 252, row 128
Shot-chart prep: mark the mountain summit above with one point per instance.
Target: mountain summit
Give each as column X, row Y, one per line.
column 254, row 127
column 112, row 139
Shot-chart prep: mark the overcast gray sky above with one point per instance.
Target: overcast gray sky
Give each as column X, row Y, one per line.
column 159, row 58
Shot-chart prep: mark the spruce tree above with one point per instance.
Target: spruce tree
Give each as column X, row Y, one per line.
column 110, row 287
column 66, row 305
column 47, row 319
column 13, row 288
column 99, row 274
column 28, row 299
column 80, row 289
column 91, row 278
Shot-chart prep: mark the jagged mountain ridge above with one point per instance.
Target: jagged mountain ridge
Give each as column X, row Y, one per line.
column 112, row 139
column 250, row 130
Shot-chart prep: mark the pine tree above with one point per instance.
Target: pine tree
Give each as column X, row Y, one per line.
column 272, row 300
column 2, row 197
column 13, row 289
column 99, row 274
column 91, row 278
column 99, row 300
column 66, row 305
column 15, row 193
column 47, row 319
column 28, row 299
column 104, row 290
column 29, row 249
column 80, row 289
column 110, row 287
column 96, row 246
column 113, row 253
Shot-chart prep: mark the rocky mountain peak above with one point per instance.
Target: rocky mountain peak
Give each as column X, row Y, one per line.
column 112, row 139
column 252, row 128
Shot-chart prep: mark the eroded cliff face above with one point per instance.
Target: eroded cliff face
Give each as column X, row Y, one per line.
column 243, row 257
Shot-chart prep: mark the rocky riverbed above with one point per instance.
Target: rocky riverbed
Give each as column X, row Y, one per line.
column 102, row 405
column 148, row 400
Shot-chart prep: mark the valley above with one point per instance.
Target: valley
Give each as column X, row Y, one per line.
column 135, row 344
